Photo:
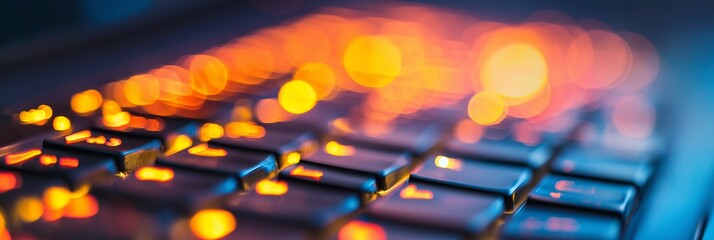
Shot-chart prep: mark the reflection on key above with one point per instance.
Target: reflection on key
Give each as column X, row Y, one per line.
column 389, row 168
column 501, row 151
column 363, row 184
column 153, row 127
column 375, row 229
column 505, row 180
column 296, row 203
column 416, row 137
column 74, row 167
column 539, row 222
column 288, row 146
column 248, row 166
column 439, row 207
column 129, row 152
column 579, row 161
column 583, row 193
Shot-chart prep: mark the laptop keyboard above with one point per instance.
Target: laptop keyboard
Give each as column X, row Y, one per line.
column 352, row 124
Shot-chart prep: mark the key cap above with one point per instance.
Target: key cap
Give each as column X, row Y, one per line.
column 502, row 151
column 416, row 137
column 388, row 168
column 539, row 222
column 251, row 228
column 588, row 194
column 76, row 168
column 507, row 181
column 440, row 207
column 153, row 127
column 128, row 152
column 360, row 183
column 579, row 161
column 248, row 166
column 295, row 203
column 159, row 187
column 288, row 146
column 369, row 228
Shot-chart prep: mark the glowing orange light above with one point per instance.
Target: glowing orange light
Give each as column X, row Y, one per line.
column 487, row 108
column 177, row 144
column 47, row 160
column 558, row 224
column 113, row 142
column 113, row 116
column 297, row 97
column 319, row 75
column 468, row 131
column 292, row 158
column 78, row 137
column 372, row 61
column 244, row 129
column 69, row 162
column 97, row 140
column 411, row 192
column 29, row 209
column 212, row 224
column 209, row 131
column 555, row 194
column 358, row 230
column 19, row 157
column 61, row 123
column 204, row 151
column 81, row 207
column 208, row 74
column 564, row 185
column 269, row 111
column 271, row 188
column 156, row 174
column 301, row 171
column 515, row 71
column 36, row 116
column 143, row 89
column 634, row 116
column 56, row 198
column 448, row 163
column 86, row 102
column 8, row 181
column 337, row 149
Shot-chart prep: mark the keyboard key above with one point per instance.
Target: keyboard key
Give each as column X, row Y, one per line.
column 154, row 127
column 579, row 161
column 288, row 146
column 504, row 180
column 501, row 151
column 389, row 168
column 440, row 207
column 161, row 187
column 363, row 184
column 588, row 194
column 74, row 167
column 248, row 166
column 417, row 137
column 295, row 203
column 129, row 152
column 377, row 229
column 538, row 222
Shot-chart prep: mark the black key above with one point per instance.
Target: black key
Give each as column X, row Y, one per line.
column 295, row 203
column 501, row 151
column 440, row 207
column 588, row 194
column 129, row 152
column 154, row 127
column 252, row 228
column 417, row 137
column 288, row 146
column 579, row 161
column 363, row 184
column 76, row 168
column 504, row 180
column 178, row 189
column 538, row 222
column 389, row 168
column 248, row 166
column 369, row 228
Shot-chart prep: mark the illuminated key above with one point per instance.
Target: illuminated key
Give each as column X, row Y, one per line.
column 288, row 146
column 154, row 127
column 363, row 184
column 377, row 229
column 539, row 222
column 74, row 167
column 438, row 207
column 128, row 152
column 417, row 137
column 504, row 180
column 158, row 187
column 296, row 203
column 248, row 166
column 501, row 151
column 388, row 168
column 579, row 161
column 588, row 194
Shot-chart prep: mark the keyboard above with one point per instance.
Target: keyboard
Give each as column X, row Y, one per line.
column 399, row 121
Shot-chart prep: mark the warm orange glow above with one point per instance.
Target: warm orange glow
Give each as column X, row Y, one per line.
column 372, row 61
column 78, row 137
column 69, row 162
column 20, row 157
column 598, row 58
column 558, row 224
column 85, row 206
column 61, row 123
column 204, row 151
column 297, row 97
column 411, row 192
column 292, row 158
column 467, row 131
column 36, row 116
column 142, row 89
column 86, row 102
column 177, row 144
column 212, row 224
column 208, row 74
column 244, row 129
column 319, row 75
column 29, row 209
column 56, row 198
column 337, row 149
column 48, row 160
column 487, row 108
column 301, row 171
column 113, row 116
column 155, row 174
column 634, row 116
column 269, row 111
column 358, row 230
column 150, row 124
column 271, row 188
column 113, row 142
column 448, row 163
column 210, row 131
column 515, row 71
column 8, row 181
column 555, row 194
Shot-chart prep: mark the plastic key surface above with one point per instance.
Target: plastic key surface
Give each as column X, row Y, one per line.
column 288, row 146
column 578, row 161
column 369, row 228
column 363, row 184
column 501, row 151
column 417, row 137
column 539, row 222
column 153, row 127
